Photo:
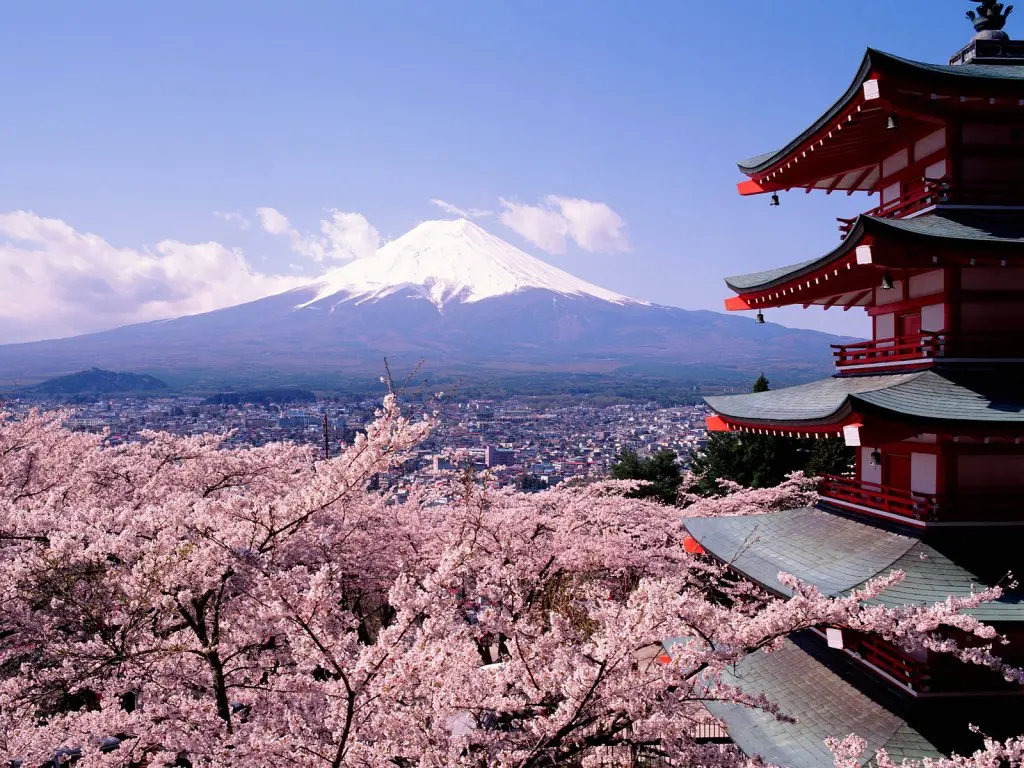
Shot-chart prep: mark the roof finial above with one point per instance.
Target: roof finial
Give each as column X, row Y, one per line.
column 990, row 20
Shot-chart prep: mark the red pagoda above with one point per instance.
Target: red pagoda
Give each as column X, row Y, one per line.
column 933, row 404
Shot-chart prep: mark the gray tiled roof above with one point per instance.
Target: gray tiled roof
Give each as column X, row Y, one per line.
column 1000, row 76
column 838, row 555
column 929, row 396
column 834, row 553
column 953, row 396
column 989, row 228
column 815, row 401
column 823, row 704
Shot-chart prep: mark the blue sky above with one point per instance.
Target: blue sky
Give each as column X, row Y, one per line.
column 136, row 121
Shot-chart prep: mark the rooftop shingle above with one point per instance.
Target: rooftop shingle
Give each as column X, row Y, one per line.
column 839, row 555
column 933, row 396
column 823, row 704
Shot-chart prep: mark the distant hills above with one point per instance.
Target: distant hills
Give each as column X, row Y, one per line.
column 100, row 382
column 453, row 295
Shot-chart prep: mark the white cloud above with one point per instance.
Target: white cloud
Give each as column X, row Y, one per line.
column 594, row 227
column 471, row 213
column 55, row 281
column 343, row 236
column 233, row 217
column 273, row 221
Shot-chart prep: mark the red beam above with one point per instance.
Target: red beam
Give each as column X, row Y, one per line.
column 832, row 302
column 751, row 187
column 736, row 304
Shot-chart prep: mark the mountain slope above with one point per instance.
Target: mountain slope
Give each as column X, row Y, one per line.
column 446, row 292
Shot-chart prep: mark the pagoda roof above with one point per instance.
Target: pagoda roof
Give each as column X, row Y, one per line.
column 877, row 64
column 838, row 555
column 824, row 705
column 933, row 396
column 988, row 229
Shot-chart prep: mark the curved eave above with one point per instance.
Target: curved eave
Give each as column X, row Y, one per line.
column 879, row 67
column 966, row 402
column 839, row 555
column 787, row 277
column 782, row 428
column 925, row 242
column 759, row 164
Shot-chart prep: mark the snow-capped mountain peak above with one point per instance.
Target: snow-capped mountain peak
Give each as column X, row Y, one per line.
column 450, row 261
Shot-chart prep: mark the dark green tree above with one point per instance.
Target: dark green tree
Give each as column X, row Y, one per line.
column 661, row 470
column 762, row 384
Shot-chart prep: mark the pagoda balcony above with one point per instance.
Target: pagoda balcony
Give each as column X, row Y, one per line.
column 956, row 507
column 902, row 351
column 932, row 193
column 858, row 495
column 921, row 350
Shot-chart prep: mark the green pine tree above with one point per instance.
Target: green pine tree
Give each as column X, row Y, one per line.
column 661, row 470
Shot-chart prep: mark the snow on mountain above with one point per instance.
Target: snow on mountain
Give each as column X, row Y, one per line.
column 450, row 261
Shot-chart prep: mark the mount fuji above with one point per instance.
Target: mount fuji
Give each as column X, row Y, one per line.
column 449, row 293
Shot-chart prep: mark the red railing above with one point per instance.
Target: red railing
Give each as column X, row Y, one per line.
column 923, row 346
column 929, row 194
column 894, row 662
column 932, row 192
column 894, row 501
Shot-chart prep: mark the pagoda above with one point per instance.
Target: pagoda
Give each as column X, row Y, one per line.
column 933, row 404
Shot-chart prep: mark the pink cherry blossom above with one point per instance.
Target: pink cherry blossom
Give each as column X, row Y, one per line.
column 256, row 606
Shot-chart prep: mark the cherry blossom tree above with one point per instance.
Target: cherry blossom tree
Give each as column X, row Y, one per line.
column 178, row 602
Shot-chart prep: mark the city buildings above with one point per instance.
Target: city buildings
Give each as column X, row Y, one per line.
column 933, row 403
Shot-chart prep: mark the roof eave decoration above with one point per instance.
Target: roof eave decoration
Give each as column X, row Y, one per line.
column 801, row 282
column 826, row 155
column 930, row 241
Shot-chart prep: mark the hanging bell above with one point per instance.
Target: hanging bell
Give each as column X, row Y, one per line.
column 760, row 318
column 775, row 199
column 893, row 123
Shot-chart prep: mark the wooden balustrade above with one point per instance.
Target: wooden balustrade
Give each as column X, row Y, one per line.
column 893, row 501
column 923, row 348
column 932, row 192
column 920, row 348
